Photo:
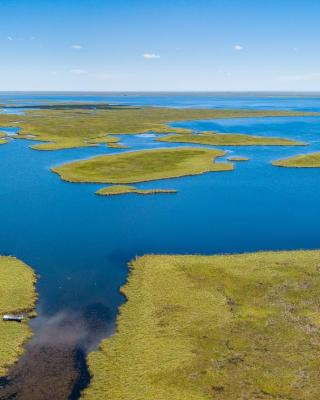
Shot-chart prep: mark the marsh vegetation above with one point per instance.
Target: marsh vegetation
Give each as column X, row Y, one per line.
column 229, row 139
column 125, row 189
column 145, row 165
column 3, row 139
column 224, row 327
column 17, row 295
column 80, row 127
column 311, row 160
column 237, row 158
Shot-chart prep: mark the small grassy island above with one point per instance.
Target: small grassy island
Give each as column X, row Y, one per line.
column 145, row 165
column 224, row 327
column 311, row 160
column 237, row 158
column 82, row 125
column 125, row 189
column 17, row 295
column 229, row 139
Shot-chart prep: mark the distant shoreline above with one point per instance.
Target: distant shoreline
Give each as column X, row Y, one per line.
column 250, row 93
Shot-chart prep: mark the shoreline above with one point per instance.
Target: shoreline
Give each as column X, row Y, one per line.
column 15, row 335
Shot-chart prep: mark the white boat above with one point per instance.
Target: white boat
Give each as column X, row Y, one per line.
column 12, row 317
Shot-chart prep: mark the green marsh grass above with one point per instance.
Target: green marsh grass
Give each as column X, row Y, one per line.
column 68, row 128
column 125, row 189
column 223, row 327
column 145, row 165
column 17, row 295
column 238, row 158
column 311, row 160
column 229, row 139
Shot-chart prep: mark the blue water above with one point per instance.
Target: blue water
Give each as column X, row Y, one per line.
column 80, row 243
column 282, row 101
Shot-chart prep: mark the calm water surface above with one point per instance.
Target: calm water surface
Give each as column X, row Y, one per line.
column 80, row 243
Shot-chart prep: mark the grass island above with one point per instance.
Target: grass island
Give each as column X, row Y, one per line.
column 214, row 327
column 17, row 295
column 125, row 189
column 237, row 158
column 144, row 165
column 311, row 160
column 229, row 139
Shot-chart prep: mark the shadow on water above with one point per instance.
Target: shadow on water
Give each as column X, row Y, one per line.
column 55, row 359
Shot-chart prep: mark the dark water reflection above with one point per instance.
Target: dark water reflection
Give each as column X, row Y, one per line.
column 54, row 364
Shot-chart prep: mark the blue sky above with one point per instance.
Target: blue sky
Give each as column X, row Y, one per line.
column 159, row 45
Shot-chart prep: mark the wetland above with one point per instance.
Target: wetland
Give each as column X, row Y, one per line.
column 81, row 244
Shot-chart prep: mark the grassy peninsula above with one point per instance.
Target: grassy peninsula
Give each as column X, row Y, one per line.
column 3, row 139
column 17, row 295
column 145, row 165
column 125, row 189
column 224, row 327
column 81, row 127
column 311, row 160
column 229, row 139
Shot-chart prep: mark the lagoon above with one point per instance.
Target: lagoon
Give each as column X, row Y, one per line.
column 80, row 243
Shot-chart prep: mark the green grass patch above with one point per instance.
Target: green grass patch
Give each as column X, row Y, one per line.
column 3, row 139
column 146, row 165
column 79, row 127
column 229, row 139
column 311, row 160
column 238, row 158
column 125, row 189
column 17, row 295
column 224, row 327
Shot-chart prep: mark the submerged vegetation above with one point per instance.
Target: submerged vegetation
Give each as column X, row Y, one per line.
column 311, row 160
column 214, row 327
column 229, row 139
column 82, row 127
column 141, row 166
column 125, row 189
column 17, row 295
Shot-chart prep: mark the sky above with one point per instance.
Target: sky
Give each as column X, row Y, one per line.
column 149, row 45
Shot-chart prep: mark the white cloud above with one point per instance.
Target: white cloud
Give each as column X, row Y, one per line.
column 78, row 71
column 10, row 38
column 302, row 77
column 151, row 56
column 76, row 46
column 237, row 47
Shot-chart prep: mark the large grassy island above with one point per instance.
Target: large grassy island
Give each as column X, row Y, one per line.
column 17, row 295
column 141, row 166
column 80, row 125
column 214, row 327
column 311, row 160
